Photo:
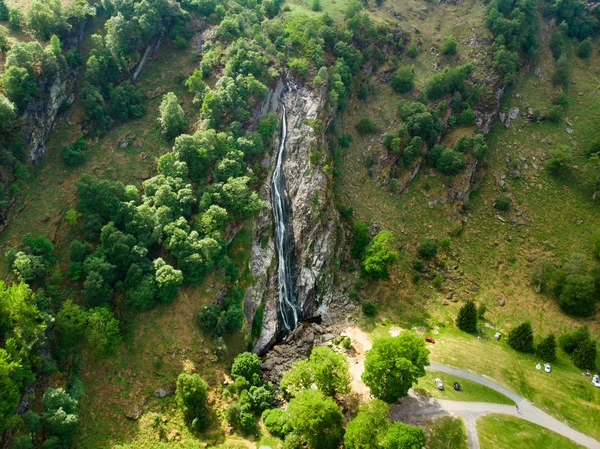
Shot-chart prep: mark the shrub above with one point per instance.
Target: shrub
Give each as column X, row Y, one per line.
column 503, row 203
column 191, row 394
column 413, row 51
column 559, row 160
column 361, row 239
column 438, row 281
column 315, row 5
column 368, row 308
column 578, row 295
column 546, row 349
column 555, row 114
column 584, row 356
column 427, row 249
column 561, row 75
column 418, row 265
column 450, row 162
column 448, row 46
column 74, row 155
column 403, row 79
column 521, row 338
column 585, row 48
column 246, row 365
column 467, row 317
column 467, row 117
column 378, row 256
column 366, row 126
column 276, row 422
column 481, row 310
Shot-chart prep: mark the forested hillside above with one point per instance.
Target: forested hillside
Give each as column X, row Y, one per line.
column 439, row 161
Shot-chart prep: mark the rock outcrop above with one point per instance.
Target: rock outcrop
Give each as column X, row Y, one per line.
column 314, row 217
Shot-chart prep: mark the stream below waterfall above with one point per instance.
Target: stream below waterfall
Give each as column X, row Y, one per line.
column 287, row 307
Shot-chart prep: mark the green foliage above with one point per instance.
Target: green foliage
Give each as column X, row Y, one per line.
column 366, row 126
column 394, row 364
column 60, row 414
column 19, row 85
column 578, row 295
column 191, row 395
column 448, row 46
column 467, row 117
column 571, row 340
column 172, row 117
column 557, row 41
column 467, row 317
column 561, row 76
column 316, row 419
column 368, row 430
column 368, row 308
column 327, row 369
column 23, row 442
column 32, row 421
column 503, row 203
column 584, row 355
column 361, row 239
column 413, row 51
column 559, row 160
column 428, row 249
column 276, row 422
column 546, row 349
column 448, row 81
column 246, row 365
column 585, row 48
column 126, row 102
column 555, row 114
column 450, row 162
column 379, row 256
column 74, row 154
column 521, row 338
column 102, row 332
column 403, row 79
column 70, row 324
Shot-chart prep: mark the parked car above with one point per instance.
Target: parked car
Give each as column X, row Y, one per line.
column 439, row 384
column 596, row 381
column 538, row 366
column 497, row 336
column 429, row 339
column 457, row 386
column 547, row 367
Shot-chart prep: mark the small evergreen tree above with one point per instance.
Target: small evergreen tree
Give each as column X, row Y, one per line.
column 172, row 117
column 546, row 350
column 521, row 338
column 467, row 317
column 584, row 356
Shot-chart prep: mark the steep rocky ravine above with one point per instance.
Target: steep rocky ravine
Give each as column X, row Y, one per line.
column 314, row 218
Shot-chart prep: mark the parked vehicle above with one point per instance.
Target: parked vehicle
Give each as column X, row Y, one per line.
column 457, row 386
column 596, row 381
column 497, row 336
column 538, row 366
column 439, row 384
column 547, row 367
column 429, row 339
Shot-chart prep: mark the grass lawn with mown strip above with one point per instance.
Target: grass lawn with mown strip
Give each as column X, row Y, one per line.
column 508, row 432
column 471, row 391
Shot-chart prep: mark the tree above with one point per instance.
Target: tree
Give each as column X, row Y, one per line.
column 467, row 317
column 361, row 236
column 276, row 422
column 448, row 46
column 3, row 11
column 413, row 51
column 559, row 160
column 191, row 395
column 168, row 280
column 578, row 296
column 7, row 114
column 403, row 436
column 368, row 429
column 427, row 249
column 74, row 154
column 172, row 117
column 556, row 113
column 393, row 364
column 591, row 174
column 60, row 413
column 19, row 85
column 584, row 356
column 379, row 255
column 316, row 419
column 450, row 162
column 102, row 332
column 561, row 76
column 246, row 365
column 70, row 324
column 585, row 48
column 403, row 79
column 366, row 126
column 546, row 349
column 521, row 338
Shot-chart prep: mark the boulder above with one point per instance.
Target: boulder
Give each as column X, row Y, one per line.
column 134, row 412
column 167, row 390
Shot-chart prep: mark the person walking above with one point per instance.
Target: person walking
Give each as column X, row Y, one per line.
column 518, row 409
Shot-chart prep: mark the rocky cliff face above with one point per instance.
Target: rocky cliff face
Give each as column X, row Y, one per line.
column 314, row 217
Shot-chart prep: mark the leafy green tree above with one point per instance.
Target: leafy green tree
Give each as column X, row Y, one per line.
column 32, row 421
column 403, row 436
column 467, row 317
column 561, row 76
column 74, row 154
column 570, row 340
column 448, row 46
column 172, row 117
column 450, row 162
column 578, row 296
column 559, row 160
column 299, row 377
column 403, row 79
column 557, row 41
column 246, row 365
column 316, row 419
column 393, row 364
column 97, row 292
column 191, row 396
column 369, row 428
column 584, row 355
column 3, row 11
column 413, row 51
column 45, row 18
column 585, row 48
column 427, row 249
column 366, row 126
column 168, row 280
column 16, row 19
column 368, row 308
column 102, row 332
column 521, row 338
column 23, row 442
column 60, row 413
column 8, row 114
column 126, row 102
column 70, row 324
column 546, row 349
column 379, row 255
column 276, row 422
column 19, row 85
column 361, row 239
column 10, row 370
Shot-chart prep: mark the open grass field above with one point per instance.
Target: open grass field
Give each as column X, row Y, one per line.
column 471, row 391
column 507, row 432
column 446, row 433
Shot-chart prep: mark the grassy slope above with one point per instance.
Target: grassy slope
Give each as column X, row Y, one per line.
column 471, row 391
column 507, row 432
column 446, row 433
column 491, row 259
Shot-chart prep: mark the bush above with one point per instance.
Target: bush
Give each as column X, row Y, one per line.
column 366, row 126
column 562, row 99
column 578, row 295
column 378, row 256
column 74, row 155
column 585, row 48
column 403, row 79
column 315, row 5
column 276, row 422
column 368, row 308
column 561, row 75
column 503, row 203
column 555, row 114
column 481, row 311
column 584, row 356
column 418, row 265
column 450, row 162
column 467, row 117
column 521, row 338
column 467, row 317
column 361, row 239
column 413, row 51
column 559, row 160
column 448, row 46
column 191, row 394
column 546, row 349
column 427, row 249
column 246, row 365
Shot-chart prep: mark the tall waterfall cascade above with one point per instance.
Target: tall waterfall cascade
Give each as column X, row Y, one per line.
column 287, row 306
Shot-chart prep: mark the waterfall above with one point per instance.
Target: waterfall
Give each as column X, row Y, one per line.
column 284, row 240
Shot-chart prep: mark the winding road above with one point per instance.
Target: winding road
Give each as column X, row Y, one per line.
column 417, row 408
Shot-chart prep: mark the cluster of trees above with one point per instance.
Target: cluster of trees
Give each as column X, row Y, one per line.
column 375, row 255
column 225, row 317
column 573, row 18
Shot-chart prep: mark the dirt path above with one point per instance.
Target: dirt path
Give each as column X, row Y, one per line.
column 416, row 408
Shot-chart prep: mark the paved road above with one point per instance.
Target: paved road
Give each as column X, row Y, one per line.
column 417, row 408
